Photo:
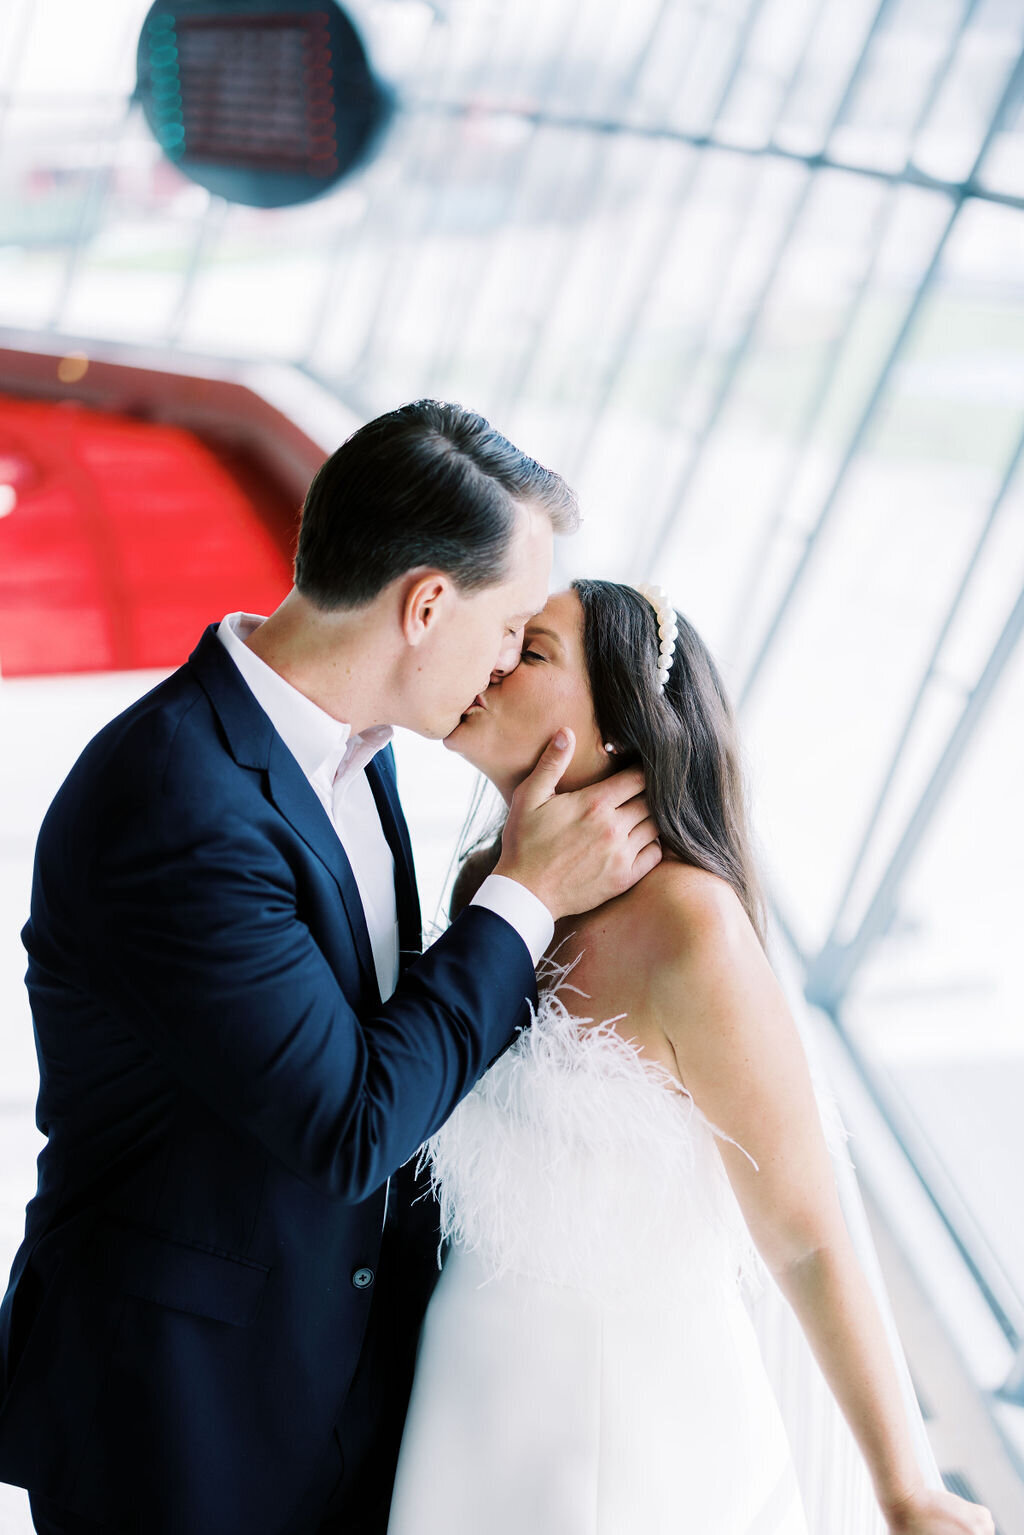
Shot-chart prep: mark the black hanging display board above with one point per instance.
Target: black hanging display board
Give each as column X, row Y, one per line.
column 264, row 102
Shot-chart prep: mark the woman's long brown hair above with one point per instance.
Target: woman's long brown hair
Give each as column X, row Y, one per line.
column 684, row 739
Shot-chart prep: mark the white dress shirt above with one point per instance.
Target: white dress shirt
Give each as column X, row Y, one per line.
column 334, row 761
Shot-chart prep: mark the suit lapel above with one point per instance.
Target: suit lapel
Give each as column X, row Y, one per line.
column 296, row 800
column 380, row 773
column 254, row 743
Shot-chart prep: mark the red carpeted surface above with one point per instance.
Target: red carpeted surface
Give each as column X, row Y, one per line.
column 124, row 540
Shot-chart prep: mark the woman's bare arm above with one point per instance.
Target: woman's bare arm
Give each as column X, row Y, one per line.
column 740, row 1056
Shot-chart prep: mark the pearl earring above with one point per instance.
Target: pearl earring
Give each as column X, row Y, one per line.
column 610, row 748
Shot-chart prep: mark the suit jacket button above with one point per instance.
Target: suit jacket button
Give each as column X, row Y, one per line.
column 362, row 1279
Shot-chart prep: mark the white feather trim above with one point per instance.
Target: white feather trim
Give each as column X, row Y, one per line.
column 578, row 1162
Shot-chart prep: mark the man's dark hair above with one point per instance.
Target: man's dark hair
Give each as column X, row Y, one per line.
column 428, row 484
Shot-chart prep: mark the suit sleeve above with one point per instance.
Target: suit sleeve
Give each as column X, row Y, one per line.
column 197, row 946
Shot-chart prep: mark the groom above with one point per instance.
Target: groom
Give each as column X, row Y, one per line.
column 210, row 1323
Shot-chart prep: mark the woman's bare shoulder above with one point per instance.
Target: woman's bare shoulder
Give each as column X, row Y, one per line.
column 680, row 902
column 678, row 920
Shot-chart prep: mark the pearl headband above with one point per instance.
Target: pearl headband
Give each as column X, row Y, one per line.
column 668, row 629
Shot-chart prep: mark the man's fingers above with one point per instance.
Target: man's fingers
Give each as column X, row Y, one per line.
column 555, row 758
column 620, row 787
column 644, row 832
column 647, row 859
column 633, row 812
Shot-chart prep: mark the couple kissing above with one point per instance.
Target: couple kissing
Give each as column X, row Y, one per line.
column 267, row 1107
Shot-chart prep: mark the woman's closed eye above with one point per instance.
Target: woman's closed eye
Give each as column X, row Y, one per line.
column 532, row 655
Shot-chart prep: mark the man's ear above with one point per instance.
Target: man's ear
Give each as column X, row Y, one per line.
column 426, row 598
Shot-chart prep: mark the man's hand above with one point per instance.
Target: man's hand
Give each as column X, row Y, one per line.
column 575, row 851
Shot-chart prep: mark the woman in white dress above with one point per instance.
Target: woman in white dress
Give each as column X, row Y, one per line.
column 613, row 1191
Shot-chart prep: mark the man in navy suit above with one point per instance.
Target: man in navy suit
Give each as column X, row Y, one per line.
column 211, row 1322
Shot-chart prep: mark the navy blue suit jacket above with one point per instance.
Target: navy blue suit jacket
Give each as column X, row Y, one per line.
column 191, row 1328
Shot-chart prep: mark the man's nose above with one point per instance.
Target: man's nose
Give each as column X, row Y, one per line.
column 509, row 657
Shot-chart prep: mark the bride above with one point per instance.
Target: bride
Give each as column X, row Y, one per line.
column 615, row 1187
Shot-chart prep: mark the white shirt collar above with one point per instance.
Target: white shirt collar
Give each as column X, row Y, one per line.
column 319, row 743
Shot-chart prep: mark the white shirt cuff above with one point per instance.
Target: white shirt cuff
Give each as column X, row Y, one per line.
column 522, row 909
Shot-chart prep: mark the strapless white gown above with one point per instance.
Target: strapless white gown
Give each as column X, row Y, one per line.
column 589, row 1364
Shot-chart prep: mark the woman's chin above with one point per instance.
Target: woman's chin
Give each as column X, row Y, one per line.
column 455, row 740
column 460, row 741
